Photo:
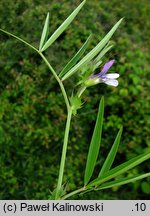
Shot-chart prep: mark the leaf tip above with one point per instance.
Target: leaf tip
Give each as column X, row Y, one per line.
column 121, row 128
column 121, row 20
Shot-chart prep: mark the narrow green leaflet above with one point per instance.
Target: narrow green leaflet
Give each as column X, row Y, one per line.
column 63, row 27
column 122, row 181
column 97, row 65
column 44, row 32
column 97, row 61
column 18, row 38
column 95, row 144
column 93, row 52
column 111, row 156
column 102, row 53
column 120, row 169
column 74, row 60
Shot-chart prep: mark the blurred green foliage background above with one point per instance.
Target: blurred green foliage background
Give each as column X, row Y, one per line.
column 32, row 110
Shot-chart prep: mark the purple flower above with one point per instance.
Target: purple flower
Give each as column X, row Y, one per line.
column 102, row 77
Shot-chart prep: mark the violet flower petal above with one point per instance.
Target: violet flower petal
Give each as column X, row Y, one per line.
column 106, row 67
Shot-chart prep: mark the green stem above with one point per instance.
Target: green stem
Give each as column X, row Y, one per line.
column 63, row 157
column 58, row 80
column 73, row 193
column 20, row 39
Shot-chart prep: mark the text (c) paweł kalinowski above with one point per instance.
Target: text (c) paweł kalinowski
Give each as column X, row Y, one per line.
column 61, row 207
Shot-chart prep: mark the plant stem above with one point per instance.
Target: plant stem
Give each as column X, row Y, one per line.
column 63, row 156
column 69, row 109
column 20, row 39
column 58, row 80
column 73, row 193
